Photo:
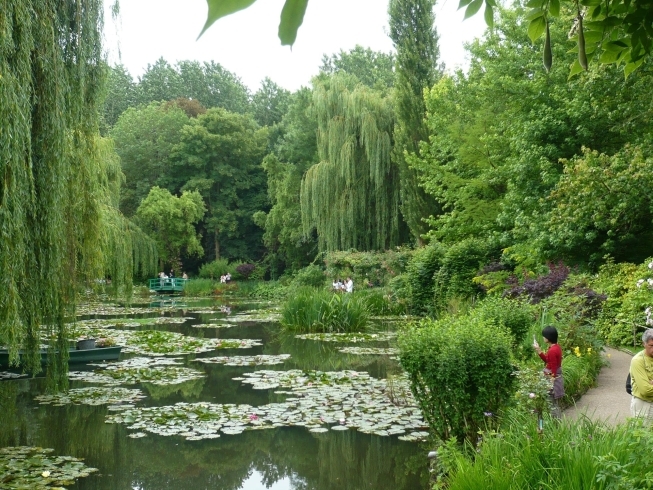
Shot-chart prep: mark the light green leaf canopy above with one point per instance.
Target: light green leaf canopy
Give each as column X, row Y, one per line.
column 292, row 16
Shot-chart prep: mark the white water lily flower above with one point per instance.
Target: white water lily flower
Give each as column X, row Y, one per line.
column 45, row 474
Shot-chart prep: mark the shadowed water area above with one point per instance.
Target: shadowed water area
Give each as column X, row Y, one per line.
column 283, row 457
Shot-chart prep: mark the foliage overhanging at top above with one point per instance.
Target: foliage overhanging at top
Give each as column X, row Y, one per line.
column 55, row 187
column 351, row 197
column 620, row 31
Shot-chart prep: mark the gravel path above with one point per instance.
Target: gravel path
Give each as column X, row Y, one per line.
column 608, row 401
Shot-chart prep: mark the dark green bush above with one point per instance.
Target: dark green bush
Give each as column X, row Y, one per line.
column 420, row 272
column 375, row 267
column 215, row 269
column 311, row 275
column 517, row 316
column 380, row 302
column 460, row 371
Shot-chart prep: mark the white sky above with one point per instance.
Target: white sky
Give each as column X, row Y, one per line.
column 246, row 42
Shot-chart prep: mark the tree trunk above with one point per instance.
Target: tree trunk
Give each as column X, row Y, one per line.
column 217, row 244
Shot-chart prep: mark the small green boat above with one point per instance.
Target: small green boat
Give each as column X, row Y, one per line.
column 75, row 356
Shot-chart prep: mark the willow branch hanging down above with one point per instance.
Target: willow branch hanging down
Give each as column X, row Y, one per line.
column 51, row 194
column 351, row 197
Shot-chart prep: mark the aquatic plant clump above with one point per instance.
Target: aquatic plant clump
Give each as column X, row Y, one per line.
column 348, row 337
column 92, row 396
column 35, row 468
column 162, row 343
column 262, row 360
column 10, row 375
column 370, row 351
column 213, row 325
column 318, row 400
column 156, row 371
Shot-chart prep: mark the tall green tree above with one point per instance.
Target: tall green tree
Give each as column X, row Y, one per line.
column 144, row 138
column 160, row 82
column 120, row 95
column 219, row 155
column 373, row 68
column 171, row 221
column 351, row 198
column 270, row 103
column 53, row 179
column 294, row 153
column 415, row 38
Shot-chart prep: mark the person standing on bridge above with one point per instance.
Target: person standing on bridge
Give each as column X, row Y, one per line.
column 641, row 375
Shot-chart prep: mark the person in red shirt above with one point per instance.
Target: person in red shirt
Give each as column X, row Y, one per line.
column 553, row 359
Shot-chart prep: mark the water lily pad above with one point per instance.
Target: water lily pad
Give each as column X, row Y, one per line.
column 158, row 371
column 348, row 337
column 10, row 375
column 262, row 360
column 92, row 396
column 37, row 469
column 347, row 399
column 370, row 351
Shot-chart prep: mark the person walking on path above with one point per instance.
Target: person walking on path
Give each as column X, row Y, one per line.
column 641, row 374
column 553, row 359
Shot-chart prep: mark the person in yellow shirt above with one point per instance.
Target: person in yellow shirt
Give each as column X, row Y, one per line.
column 641, row 373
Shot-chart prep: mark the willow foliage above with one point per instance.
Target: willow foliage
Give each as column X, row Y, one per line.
column 52, row 188
column 351, row 197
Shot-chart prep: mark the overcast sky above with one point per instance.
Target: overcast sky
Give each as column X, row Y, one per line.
column 246, row 43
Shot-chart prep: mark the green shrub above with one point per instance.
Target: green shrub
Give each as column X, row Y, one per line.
column 459, row 370
column 420, row 273
column 311, row 275
column 580, row 368
column 215, row 269
column 623, row 317
column 375, row 267
column 567, row 455
column 268, row 290
column 200, row 287
column 310, row 309
column 380, row 303
column 517, row 316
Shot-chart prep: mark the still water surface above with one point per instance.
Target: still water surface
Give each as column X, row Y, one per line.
column 280, row 459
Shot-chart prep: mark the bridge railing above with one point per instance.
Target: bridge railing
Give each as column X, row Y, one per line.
column 167, row 284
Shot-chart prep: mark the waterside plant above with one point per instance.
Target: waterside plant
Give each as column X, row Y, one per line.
column 312, row 310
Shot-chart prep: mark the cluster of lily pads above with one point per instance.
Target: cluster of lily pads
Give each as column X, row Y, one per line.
column 95, row 395
column 262, row 360
column 161, row 343
column 132, row 322
column 36, row 468
column 158, row 371
column 269, row 316
column 213, row 325
column 319, row 401
column 348, row 337
column 10, row 375
column 370, row 351
column 109, row 309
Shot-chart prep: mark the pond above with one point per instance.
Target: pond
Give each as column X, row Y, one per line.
column 236, row 404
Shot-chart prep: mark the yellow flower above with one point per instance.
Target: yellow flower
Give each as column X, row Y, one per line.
column 589, row 350
column 577, row 351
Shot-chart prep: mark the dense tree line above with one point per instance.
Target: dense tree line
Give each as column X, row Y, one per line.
column 386, row 149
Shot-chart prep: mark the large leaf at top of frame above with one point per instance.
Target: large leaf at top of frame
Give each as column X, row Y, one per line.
column 222, row 8
column 292, row 15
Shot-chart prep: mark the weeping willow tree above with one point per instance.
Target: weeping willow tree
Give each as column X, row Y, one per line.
column 351, row 198
column 54, row 183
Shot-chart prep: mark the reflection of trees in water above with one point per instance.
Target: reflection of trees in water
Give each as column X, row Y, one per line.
column 14, row 423
column 186, row 391
column 324, row 356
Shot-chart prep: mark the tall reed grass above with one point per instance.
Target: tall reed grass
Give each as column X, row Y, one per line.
column 313, row 310
column 567, row 455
